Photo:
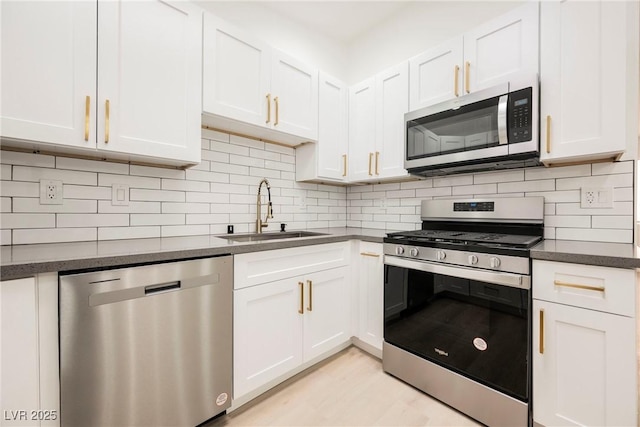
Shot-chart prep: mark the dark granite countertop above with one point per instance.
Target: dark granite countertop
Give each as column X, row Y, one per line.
column 620, row 255
column 26, row 260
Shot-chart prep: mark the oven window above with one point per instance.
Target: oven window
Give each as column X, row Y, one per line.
column 468, row 128
column 477, row 329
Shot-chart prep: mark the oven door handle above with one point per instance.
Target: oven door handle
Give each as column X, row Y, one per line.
column 499, row 278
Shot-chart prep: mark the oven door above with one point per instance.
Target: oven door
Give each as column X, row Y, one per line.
column 473, row 322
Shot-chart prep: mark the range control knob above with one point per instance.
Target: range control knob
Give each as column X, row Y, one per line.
column 441, row 255
column 473, row 260
column 494, row 262
column 399, row 250
column 413, row 252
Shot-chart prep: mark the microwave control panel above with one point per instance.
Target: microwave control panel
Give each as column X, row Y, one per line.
column 520, row 119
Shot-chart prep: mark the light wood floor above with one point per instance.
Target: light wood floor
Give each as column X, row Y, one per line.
column 348, row 389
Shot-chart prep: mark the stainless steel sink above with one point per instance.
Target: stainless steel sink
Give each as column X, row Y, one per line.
column 257, row 237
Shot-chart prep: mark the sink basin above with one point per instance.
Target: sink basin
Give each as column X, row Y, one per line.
column 270, row 236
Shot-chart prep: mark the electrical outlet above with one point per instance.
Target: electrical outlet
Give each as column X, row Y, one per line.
column 50, row 192
column 596, row 197
column 302, row 203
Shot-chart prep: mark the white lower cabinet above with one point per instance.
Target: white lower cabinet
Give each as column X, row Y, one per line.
column 370, row 272
column 584, row 359
column 29, row 384
column 280, row 325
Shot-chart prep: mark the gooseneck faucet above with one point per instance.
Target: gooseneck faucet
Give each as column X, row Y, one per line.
column 259, row 224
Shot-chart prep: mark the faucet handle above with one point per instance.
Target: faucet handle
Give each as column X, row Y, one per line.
column 270, row 211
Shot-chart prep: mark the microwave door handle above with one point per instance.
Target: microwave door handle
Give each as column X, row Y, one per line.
column 502, row 120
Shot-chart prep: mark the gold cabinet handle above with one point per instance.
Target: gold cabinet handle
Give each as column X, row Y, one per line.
column 377, row 162
column 275, row 100
column 268, row 108
column 371, row 254
column 455, row 80
column 370, row 160
column 578, row 286
column 87, row 112
column 301, row 309
column 310, row 283
column 344, row 165
column 467, row 65
column 548, row 134
column 541, row 343
column 106, row 121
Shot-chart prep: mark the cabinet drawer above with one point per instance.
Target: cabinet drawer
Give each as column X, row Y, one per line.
column 263, row 267
column 611, row 290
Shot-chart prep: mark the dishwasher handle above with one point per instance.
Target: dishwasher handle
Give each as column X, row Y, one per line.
column 162, row 287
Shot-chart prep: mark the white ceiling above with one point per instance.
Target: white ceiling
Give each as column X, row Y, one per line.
column 343, row 21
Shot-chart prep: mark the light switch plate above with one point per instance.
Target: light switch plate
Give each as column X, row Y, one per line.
column 50, row 192
column 120, row 195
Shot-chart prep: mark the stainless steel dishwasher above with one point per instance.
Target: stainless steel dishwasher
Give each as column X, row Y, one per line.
column 146, row 345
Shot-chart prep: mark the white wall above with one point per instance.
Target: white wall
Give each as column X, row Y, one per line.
column 283, row 33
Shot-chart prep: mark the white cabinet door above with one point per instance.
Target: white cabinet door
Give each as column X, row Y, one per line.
column 237, row 73
column 583, row 72
column 392, row 102
column 20, row 387
column 294, row 87
column 149, row 78
column 326, row 311
column 584, row 367
column 370, row 270
column 267, row 333
column 49, row 72
column 333, row 130
column 436, row 75
column 502, row 48
column 362, row 130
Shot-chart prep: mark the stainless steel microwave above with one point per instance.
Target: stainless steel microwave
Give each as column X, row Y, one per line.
column 495, row 128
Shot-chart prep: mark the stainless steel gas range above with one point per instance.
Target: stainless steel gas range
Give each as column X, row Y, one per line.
column 457, row 305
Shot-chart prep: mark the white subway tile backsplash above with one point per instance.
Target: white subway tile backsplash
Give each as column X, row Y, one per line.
column 413, row 185
column 116, row 233
column 619, row 208
column 19, row 189
column 87, row 192
column 289, row 151
column 570, row 221
column 156, row 195
column 283, row 167
column 107, row 180
column 198, row 175
column 622, row 222
column 266, row 173
column 471, row 190
column 92, row 220
column 24, row 173
column 217, row 156
column 53, row 235
column 27, row 220
column 27, row 159
column 213, row 218
column 229, row 148
column 169, row 207
column 183, row 230
column 157, row 219
column 5, row 204
column 538, row 173
column 612, row 168
column 92, row 165
column 567, row 196
column 623, row 194
column 452, row 181
column 265, row 155
column 539, row 185
column 229, row 168
column 246, row 161
column 207, row 198
column 68, row 205
column 105, row 206
column 594, row 235
column 5, row 172
column 500, row 176
column 401, row 194
column 5, row 237
column 215, row 135
column 184, row 185
column 157, row 172
column 426, row 193
column 247, row 142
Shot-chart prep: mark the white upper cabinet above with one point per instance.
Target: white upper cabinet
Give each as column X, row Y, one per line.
column 49, row 72
column 435, row 74
column 376, row 125
column 501, row 48
column 143, row 105
column 362, row 130
column 392, row 102
column 251, row 88
column 149, row 73
column 485, row 56
column 584, row 72
column 327, row 159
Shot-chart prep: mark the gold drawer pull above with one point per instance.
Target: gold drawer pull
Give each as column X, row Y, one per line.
column 87, row 112
column 106, row 123
column 541, row 344
column 310, row 308
column 370, row 160
column 268, row 108
column 377, row 162
column 467, row 65
column 371, row 254
column 344, row 165
column 579, row 286
column 548, row 134
column 275, row 100
column 455, row 81
column 301, row 309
